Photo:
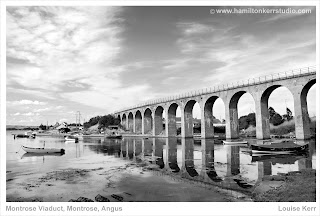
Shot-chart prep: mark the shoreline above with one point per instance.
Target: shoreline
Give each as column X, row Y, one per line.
column 131, row 181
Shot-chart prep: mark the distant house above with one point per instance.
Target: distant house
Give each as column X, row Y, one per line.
column 63, row 127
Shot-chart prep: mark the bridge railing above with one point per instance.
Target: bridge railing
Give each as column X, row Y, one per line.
column 249, row 82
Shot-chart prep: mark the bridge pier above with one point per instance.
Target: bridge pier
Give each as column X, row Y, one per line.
column 301, row 115
column 262, row 115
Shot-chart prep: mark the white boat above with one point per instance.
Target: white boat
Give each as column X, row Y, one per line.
column 42, row 150
column 235, row 142
column 71, row 139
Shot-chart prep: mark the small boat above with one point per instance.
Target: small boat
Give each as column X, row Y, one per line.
column 278, row 148
column 114, row 135
column 30, row 154
column 42, row 150
column 71, row 139
column 24, row 136
column 235, row 142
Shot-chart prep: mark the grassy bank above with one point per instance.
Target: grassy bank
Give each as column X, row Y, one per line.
column 298, row 187
column 283, row 129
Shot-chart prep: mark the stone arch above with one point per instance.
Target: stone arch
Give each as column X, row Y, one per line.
column 232, row 124
column 158, row 125
column 262, row 118
column 302, row 123
column 207, row 129
column 130, row 121
column 124, row 120
column 147, row 121
column 187, row 129
column 138, row 122
column 172, row 115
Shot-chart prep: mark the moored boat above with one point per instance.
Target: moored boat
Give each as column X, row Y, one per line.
column 31, row 154
column 278, row 148
column 71, row 139
column 235, row 142
column 114, row 135
column 42, row 150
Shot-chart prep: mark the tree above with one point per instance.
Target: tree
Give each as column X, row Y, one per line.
column 272, row 112
column 42, row 127
column 276, row 119
column 246, row 121
column 106, row 120
column 252, row 119
column 288, row 116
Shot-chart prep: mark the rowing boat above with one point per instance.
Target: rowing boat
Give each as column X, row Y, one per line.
column 235, row 142
column 71, row 139
column 42, row 150
column 30, row 155
column 278, row 148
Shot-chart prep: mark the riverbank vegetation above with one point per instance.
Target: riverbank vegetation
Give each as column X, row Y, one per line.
column 102, row 121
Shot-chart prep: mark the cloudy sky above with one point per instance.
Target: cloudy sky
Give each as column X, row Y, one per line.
column 99, row 59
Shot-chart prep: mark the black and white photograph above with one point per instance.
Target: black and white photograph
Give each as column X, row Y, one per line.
column 159, row 108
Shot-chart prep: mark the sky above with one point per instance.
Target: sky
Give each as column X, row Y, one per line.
column 96, row 60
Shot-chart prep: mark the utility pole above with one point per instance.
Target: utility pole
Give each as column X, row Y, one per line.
column 78, row 117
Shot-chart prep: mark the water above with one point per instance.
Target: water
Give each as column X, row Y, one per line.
column 204, row 161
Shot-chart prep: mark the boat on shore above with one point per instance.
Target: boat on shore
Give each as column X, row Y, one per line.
column 42, row 150
column 278, row 148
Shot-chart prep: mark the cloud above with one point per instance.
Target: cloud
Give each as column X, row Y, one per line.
column 61, row 44
column 41, row 110
column 194, row 28
column 26, row 102
column 26, row 114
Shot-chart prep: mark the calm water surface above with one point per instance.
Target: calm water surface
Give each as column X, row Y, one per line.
column 202, row 160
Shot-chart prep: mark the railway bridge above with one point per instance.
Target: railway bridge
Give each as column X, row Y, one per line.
column 146, row 118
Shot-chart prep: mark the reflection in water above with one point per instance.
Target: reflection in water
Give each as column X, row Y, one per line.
column 171, row 147
column 227, row 166
column 123, row 152
column 233, row 160
column 208, row 169
column 264, row 169
column 158, row 152
column 29, row 154
column 130, row 148
column 187, row 157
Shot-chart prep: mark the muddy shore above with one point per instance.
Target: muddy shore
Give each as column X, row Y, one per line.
column 129, row 181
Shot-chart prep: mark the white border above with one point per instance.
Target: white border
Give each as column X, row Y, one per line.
column 137, row 208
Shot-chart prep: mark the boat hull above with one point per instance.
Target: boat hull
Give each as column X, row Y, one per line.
column 42, row 150
column 234, row 142
column 279, row 149
column 114, row 137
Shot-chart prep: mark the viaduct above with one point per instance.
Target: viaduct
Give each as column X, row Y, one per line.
column 146, row 118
